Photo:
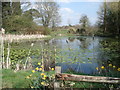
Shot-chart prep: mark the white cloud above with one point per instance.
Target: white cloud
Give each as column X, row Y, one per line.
column 65, row 1
column 69, row 16
column 66, row 10
column 93, row 0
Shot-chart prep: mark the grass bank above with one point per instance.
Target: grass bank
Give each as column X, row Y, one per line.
column 11, row 79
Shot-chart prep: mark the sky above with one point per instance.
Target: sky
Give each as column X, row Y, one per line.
column 71, row 12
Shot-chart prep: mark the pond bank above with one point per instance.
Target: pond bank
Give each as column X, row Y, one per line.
column 22, row 37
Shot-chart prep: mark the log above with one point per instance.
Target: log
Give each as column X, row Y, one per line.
column 86, row 78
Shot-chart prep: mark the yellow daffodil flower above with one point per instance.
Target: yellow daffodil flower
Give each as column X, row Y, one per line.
column 40, row 69
column 38, row 63
column 110, row 65
column 43, row 83
column 33, row 71
column 118, row 69
column 102, row 67
column 30, row 75
column 32, row 87
column 42, row 66
column 52, row 69
column 45, row 76
column 37, row 68
column 27, row 77
column 114, row 66
column 42, row 74
column 96, row 68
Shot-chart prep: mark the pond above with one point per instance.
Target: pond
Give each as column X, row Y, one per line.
column 75, row 54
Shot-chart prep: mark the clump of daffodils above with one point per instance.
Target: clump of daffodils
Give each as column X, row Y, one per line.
column 44, row 78
column 108, row 68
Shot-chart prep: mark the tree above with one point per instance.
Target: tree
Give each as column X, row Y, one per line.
column 84, row 21
column 16, row 8
column 17, row 20
column 48, row 13
column 0, row 14
column 109, row 18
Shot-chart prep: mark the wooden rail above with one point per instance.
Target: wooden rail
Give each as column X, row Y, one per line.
column 85, row 78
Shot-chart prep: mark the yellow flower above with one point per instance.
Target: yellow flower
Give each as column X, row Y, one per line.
column 42, row 74
column 114, row 66
column 96, row 68
column 52, row 69
column 32, row 87
column 110, row 65
column 38, row 63
column 37, row 68
column 43, row 83
column 102, row 67
column 30, row 75
column 42, row 66
column 33, row 71
column 40, row 69
column 118, row 69
column 27, row 77
column 45, row 76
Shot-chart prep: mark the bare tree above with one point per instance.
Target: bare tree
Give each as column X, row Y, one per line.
column 49, row 12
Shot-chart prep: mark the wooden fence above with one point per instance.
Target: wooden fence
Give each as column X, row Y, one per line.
column 82, row 78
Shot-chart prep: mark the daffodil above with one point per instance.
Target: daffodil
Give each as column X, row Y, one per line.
column 42, row 66
column 110, row 65
column 33, row 71
column 42, row 74
column 96, row 68
column 43, row 83
column 114, row 66
column 118, row 69
column 32, row 87
column 27, row 77
column 30, row 75
column 45, row 76
column 38, row 63
column 37, row 68
column 102, row 67
column 52, row 69
column 40, row 69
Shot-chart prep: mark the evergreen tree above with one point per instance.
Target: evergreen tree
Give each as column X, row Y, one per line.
column 109, row 15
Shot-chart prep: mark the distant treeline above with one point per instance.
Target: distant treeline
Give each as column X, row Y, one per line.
column 22, row 18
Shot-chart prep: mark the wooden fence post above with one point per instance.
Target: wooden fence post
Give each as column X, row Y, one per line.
column 57, row 84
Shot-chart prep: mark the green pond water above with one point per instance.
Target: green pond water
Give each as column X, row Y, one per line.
column 74, row 54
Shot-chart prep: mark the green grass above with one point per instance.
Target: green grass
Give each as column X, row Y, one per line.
column 11, row 79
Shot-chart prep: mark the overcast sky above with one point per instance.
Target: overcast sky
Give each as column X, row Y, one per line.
column 72, row 11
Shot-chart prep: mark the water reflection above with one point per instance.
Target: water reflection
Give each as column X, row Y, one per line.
column 87, row 55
